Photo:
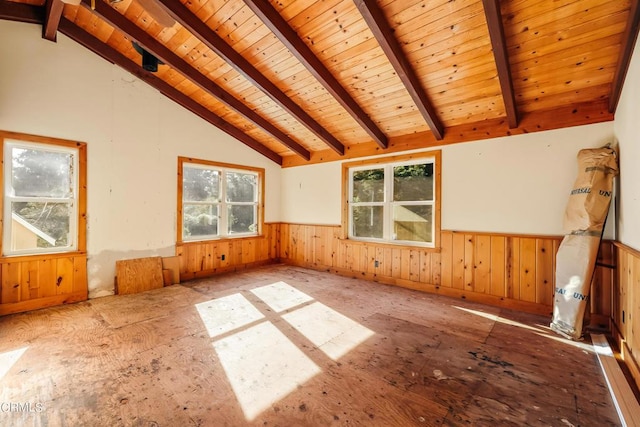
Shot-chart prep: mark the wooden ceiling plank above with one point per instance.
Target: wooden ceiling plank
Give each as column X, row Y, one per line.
column 118, row 21
column 87, row 40
column 382, row 31
column 496, row 34
column 272, row 19
column 53, row 13
column 214, row 42
column 629, row 41
column 21, row 12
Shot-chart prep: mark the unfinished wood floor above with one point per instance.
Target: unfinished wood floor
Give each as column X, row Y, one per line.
column 285, row 346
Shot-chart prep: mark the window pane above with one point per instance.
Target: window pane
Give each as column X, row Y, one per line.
column 41, row 173
column 199, row 220
column 368, row 186
column 200, row 185
column 368, row 221
column 242, row 219
column 241, row 187
column 412, row 223
column 413, row 183
column 40, row 225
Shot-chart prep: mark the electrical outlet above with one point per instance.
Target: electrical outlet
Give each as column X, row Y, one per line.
column 222, row 257
column 376, row 263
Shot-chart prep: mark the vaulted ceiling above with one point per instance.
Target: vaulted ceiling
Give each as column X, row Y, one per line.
column 304, row 81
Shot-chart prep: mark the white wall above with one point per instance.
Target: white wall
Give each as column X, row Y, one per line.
column 517, row 184
column 627, row 130
column 134, row 136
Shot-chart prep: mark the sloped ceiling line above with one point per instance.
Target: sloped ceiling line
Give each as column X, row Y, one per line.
column 214, row 42
column 288, row 36
column 375, row 19
column 629, row 41
column 118, row 21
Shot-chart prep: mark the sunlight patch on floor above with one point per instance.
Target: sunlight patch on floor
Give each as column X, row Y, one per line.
column 263, row 366
column 281, row 296
column 578, row 344
column 8, row 359
column 329, row 330
column 228, row 313
column 498, row 319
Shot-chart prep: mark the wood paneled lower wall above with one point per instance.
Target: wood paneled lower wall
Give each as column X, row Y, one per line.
column 508, row 270
column 32, row 282
column 202, row 259
column 626, row 307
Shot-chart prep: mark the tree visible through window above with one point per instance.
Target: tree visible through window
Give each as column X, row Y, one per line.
column 219, row 201
column 40, row 198
column 393, row 202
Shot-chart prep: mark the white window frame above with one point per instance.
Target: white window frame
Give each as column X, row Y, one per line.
column 388, row 204
column 222, row 203
column 9, row 197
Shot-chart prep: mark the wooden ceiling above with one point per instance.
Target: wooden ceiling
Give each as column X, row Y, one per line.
column 304, row 81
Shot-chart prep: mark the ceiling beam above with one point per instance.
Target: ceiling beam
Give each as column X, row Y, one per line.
column 499, row 46
column 21, row 12
column 104, row 50
column 380, row 28
column 287, row 35
column 214, row 42
column 53, row 14
column 628, row 42
column 131, row 30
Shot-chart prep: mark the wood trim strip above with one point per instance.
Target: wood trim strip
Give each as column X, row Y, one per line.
column 629, row 249
column 377, row 22
column 287, row 35
column 563, row 117
column 499, row 46
column 37, row 303
column 22, row 12
column 623, row 397
column 218, row 45
column 629, row 41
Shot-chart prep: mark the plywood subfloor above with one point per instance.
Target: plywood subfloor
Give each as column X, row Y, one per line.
column 285, row 346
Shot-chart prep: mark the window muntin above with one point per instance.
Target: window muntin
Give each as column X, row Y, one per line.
column 393, row 202
column 40, row 198
column 219, row 201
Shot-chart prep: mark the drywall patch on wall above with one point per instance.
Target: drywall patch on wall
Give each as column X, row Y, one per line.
column 627, row 130
column 517, row 184
column 312, row 194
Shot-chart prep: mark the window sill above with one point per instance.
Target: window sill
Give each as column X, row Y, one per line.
column 402, row 245
column 4, row 259
column 219, row 239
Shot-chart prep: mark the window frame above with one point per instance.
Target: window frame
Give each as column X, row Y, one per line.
column 222, row 203
column 388, row 163
column 77, row 220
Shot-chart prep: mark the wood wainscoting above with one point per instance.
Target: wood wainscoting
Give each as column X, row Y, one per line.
column 511, row 271
column 38, row 281
column 203, row 259
column 626, row 307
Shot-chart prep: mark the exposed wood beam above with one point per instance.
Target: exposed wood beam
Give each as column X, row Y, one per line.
column 380, row 28
column 499, row 46
column 214, row 42
column 53, row 14
column 628, row 42
column 104, row 50
column 115, row 19
column 287, row 35
column 21, row 12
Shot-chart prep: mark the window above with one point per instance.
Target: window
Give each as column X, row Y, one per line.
column 218, row 200
column 42, row 195
column 396, row 201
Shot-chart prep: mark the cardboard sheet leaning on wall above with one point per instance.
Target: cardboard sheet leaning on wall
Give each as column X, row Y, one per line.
column 584, row 221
